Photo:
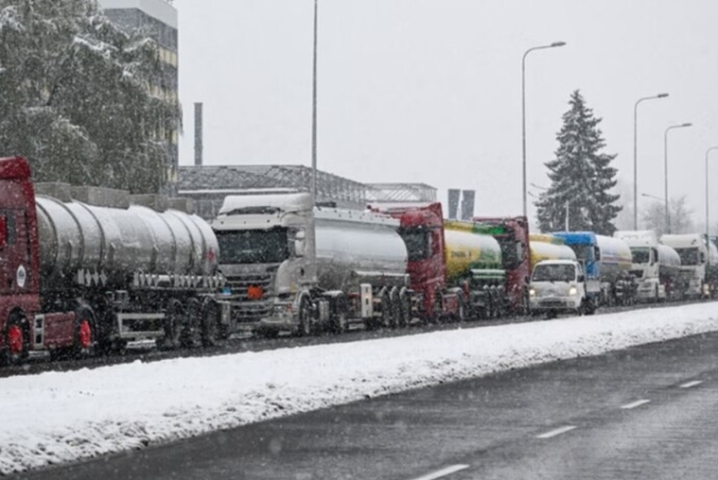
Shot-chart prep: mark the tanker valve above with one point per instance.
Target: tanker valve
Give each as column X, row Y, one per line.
column 255, row 293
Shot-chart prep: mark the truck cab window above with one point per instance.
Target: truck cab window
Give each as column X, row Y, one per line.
column 418, row 243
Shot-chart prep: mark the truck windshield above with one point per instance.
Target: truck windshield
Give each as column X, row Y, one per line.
column 418, row 243
column 689, row 256
column 253, row 246
column 641, row 254
column 583, row 252
column 554, row 273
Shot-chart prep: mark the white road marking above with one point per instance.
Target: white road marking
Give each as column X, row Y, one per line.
column 635, row 404
column 558, row 431
column 443, row 472
column 691, row 384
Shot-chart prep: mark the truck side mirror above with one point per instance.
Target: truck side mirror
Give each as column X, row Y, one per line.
column 299, row 243
column 581, row 279
column 3, row 232
column 597, row 253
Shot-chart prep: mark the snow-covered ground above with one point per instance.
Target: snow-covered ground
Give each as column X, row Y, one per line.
column 60, row 417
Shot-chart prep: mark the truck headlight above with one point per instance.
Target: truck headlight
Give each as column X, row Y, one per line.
column 573, row 291
column 532, row 292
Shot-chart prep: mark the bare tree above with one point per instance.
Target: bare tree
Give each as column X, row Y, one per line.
column 654, row 218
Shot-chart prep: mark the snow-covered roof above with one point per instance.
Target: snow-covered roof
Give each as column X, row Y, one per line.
column 162, row 10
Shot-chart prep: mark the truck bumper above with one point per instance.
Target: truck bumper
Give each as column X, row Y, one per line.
column 555, row 304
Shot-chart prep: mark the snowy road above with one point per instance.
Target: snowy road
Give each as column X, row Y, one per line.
column 60, row 417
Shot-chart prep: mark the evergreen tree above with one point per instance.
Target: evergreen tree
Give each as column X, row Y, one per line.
column 80, row 98
column 581, row 176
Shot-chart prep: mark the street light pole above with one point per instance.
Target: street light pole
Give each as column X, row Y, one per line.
column 665, row 161
column 523, row 115
column 708, row 227
column 635, row 154
column 314, row 108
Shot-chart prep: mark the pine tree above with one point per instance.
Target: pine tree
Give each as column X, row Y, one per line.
column 581, row 176
column 79, row 97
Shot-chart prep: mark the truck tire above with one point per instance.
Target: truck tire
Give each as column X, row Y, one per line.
column 387, row 314
column 306, row 326
column 405, row 308
column 339, row 315
column 461, row 310
column 174, row 324
column 191, row 335
column 211, row 328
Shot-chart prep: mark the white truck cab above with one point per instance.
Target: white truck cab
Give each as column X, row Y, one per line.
column 558, row 286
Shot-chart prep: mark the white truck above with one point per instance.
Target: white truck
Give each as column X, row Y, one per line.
column 655, row 266
column 293, row 268
column 559, row 286
column 697, row 256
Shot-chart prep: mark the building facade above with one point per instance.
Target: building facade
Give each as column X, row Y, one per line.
column 156, row 19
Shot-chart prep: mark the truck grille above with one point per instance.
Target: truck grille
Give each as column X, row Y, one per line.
column 244, row 308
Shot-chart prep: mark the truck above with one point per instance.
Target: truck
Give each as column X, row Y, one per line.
column 697, row 255
column 454, row 272
column 512, row 233
column 606, row 262
column 75, row 275
column 559, row 286
column 655, row 266
column 292, row 267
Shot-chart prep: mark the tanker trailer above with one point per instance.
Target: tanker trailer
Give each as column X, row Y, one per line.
column 293, row 268
column 82, row 274
column 548, row 247
column 474, row 262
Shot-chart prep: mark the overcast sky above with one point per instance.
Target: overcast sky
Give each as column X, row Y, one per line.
column 430, row 90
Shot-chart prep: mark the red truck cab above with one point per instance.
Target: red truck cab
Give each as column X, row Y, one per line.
column 22, row 327
column 512, row 233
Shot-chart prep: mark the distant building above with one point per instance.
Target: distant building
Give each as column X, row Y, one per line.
column 156, row 19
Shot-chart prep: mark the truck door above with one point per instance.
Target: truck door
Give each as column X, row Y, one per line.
column 14, row 253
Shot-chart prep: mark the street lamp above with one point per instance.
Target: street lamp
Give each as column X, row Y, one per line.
column 708, row 228
column 665, row 162
column 523, row 112
column 635, row 154
column 314, row 108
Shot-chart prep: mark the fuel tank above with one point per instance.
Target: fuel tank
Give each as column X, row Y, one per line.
column 118, row 242
column 354, row 246
column 466, row 250
column 548, row 247
column 616, row 257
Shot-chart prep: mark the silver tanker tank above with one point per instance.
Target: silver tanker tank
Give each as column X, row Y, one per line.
column 75, row 236
column 355, row 246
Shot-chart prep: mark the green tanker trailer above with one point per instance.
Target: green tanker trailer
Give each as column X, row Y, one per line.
column 474, row 263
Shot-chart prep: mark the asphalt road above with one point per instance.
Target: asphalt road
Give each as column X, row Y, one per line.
column 642, row 413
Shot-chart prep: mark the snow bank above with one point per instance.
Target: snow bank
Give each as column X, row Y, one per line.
column 60, row 417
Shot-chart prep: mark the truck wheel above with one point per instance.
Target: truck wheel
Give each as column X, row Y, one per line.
column 387, row 315
column 16, row 340
column 83, row 344
column 191, row 335
column 404, row 308
column 306, row 328
column 461, row 313
column 174, row 324
column 210, row 324
column 339, row 318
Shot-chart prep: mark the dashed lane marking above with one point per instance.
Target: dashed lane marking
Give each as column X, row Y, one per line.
column 443, row 472
column 635, row 404
column 556, row 432
column 691, row 384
